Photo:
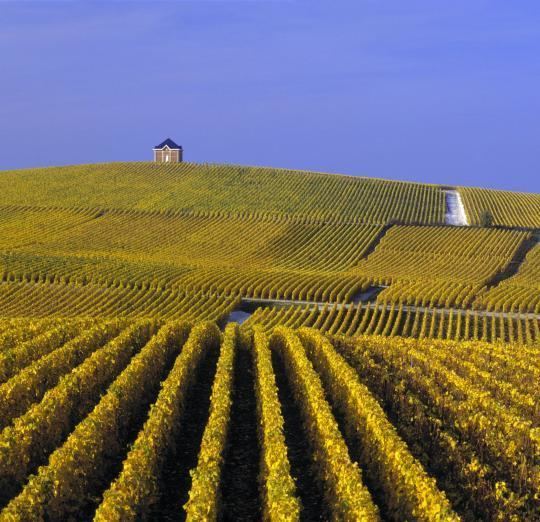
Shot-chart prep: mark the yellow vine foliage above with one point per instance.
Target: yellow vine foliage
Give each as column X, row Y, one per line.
column 131, row 496
column 410, row 493
column 204, row 495
column 347, row 496
column 279, row 497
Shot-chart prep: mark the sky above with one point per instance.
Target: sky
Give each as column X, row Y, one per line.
column 433, row 91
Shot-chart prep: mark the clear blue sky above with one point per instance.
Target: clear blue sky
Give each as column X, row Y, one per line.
column 426, row 90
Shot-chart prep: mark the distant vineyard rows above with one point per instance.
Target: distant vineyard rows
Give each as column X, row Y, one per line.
column 338, row 318
column 515, row 209
column 275, row 258
column 224, row 188
column 394, row 321
column 60, row 300
column 520, row 292
column 439, row 266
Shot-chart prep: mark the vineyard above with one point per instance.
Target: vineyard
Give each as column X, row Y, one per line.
column 61, row 300
column 222, row 189
column 216, row 342
column 89, row 433
column 520, row 292
column 507, row 208
column 403, row 321
column 263, row 256
column 439, row 266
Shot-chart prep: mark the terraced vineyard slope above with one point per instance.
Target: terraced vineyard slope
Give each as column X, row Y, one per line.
column 520, row 292
column 439, row 266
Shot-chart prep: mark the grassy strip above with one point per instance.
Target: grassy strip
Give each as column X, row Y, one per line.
column 204, row 495
column 59, row 489
column 347, row 496
column 30, row 384
column 279, row 499
column 137, row 488
column 408, row 491
column 36, row 433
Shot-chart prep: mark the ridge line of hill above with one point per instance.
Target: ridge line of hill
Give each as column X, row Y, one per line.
column 441, row 186
column 230, row 165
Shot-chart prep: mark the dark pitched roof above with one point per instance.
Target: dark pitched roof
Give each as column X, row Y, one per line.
column 168, row 143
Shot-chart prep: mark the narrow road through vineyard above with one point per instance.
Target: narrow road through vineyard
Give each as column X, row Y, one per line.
column 455, row 211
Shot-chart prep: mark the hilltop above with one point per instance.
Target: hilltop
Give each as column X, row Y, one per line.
column 222, row 188
column 255, row 190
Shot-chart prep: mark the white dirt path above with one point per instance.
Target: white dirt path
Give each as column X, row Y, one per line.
column 455, row 211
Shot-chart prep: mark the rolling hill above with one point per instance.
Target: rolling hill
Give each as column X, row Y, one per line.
column 386, row 367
